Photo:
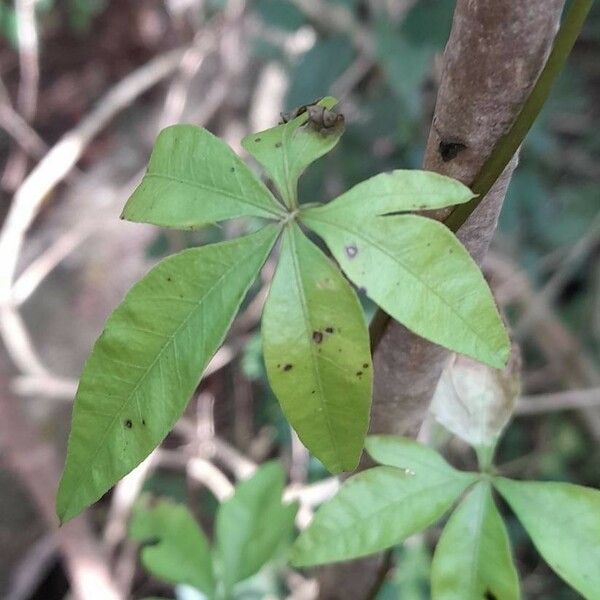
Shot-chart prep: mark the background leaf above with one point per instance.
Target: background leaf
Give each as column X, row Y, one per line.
column 420, row 274
column 316, row 348
column 252, row 524
column 179, row 551
column 148, row 360
column 563, row 521
column 377, row 509
column 396, row 191
column 286, row 150
column 193, row 179
column 473, row 560
column 318, row 68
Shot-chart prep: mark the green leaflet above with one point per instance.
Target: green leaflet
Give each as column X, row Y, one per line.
column 396, row 191
column 473, row 560
column 194, row 179
column 178, row 551
column 404, row 453
column 286, row 150
column 377, row 509
column 147, row 362
column 563, row 521
column 420, row 274
column 316, row 348
column 252, row 524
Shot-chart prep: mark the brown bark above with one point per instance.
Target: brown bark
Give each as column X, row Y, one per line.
column 495, row 53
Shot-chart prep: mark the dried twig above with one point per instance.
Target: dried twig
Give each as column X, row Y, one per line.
column 63, row 156
column 36, row 464
column 568, row 400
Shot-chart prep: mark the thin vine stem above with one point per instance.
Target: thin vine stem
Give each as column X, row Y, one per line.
column 508, row 145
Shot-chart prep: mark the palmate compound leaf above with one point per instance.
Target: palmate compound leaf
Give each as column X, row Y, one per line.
column 194, row 179
column 381, row 507
column 563, row 520
column 177, row 550
column 287, row 149
column 148, row 360
column 416, row 269
column 316, row 348
column 473, row 560
column 252, row 525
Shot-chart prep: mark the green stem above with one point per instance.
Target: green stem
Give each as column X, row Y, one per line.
column 508, row 145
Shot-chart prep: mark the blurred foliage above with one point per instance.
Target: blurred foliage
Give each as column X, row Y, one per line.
column 79, row 15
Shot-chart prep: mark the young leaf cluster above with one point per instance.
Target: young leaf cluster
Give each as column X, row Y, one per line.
column 250, row 527
column 381, row 507
column 155, row 346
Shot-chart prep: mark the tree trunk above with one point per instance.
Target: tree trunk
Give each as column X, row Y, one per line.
column 495, row 53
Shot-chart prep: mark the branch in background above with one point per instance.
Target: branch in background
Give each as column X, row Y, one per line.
column 27, row 40
column 36, row 464
column 567, row 359
column 50, row 171
column 28, row 58
column 569, row 400
column 18, row 128
column 64, row 155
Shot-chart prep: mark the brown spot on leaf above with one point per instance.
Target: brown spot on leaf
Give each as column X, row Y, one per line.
column 365, row 365
column 277, row 144
column 317, row 337
column 351, row 250
column 359, row 374
column 288, row 367
column 489, row 595
column 143, row 421
column 257, row 139
column 329, row 329
column 128, row 424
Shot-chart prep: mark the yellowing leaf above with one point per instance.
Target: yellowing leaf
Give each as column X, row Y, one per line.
column 474, row 401
column 317, row 354
column 420, row 274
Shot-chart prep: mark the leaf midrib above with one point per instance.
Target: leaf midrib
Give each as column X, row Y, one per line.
column 314, row 358
column 210, row 188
